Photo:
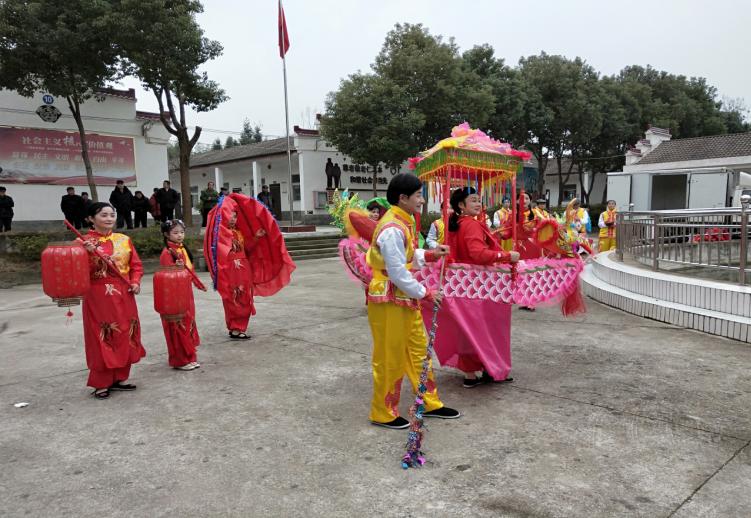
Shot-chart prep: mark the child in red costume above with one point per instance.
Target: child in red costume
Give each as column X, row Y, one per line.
column 111, row 328
column 182, row 337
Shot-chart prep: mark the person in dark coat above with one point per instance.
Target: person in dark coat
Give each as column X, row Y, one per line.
column 140, row 209
column 329, row 174
column 87, row 202
column 265, row 197
column 336, row 173
column 72, row 206
column 167, row 198
column 122, row 199
column 6, row 211
column 209, row 199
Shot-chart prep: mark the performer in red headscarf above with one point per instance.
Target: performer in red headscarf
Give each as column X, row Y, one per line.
column 246, row 255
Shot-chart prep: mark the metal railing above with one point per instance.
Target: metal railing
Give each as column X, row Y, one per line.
column 710, row 243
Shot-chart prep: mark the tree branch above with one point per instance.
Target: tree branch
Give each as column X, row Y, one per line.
column 172, row 113
column 164, row 120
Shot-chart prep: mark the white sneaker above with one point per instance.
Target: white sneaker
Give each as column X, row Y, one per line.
column 188, row 367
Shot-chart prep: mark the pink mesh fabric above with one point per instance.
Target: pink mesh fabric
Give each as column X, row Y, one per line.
column 535, row 281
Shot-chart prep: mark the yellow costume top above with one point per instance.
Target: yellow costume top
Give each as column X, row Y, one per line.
column 381, row 288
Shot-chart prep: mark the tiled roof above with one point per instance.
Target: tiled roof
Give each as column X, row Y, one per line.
column 130, row 93
column 700, row 148
column 267, row 147
column 148, row 115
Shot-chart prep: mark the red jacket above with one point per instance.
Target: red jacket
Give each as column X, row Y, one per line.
column 474, row 244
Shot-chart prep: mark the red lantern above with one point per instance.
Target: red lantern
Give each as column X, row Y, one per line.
column 65, row 273
column 172, row 290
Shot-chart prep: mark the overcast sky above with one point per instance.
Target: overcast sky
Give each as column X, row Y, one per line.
column 331, row 39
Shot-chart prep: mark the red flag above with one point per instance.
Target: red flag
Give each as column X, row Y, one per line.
column 283, row 35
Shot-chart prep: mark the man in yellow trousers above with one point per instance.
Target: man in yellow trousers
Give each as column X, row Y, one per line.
column 399, row 339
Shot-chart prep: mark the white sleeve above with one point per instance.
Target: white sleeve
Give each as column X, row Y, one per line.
column 601, row 223
column 497, row 219
column 432, row 239
column 391, row 244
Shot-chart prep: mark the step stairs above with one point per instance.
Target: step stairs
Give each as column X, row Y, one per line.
column 313, row 247
column 718, row 308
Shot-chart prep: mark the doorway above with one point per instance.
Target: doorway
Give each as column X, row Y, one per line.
column 276, row 200
column 669, row 191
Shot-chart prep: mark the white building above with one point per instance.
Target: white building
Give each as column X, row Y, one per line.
column 700, row 172
column 251, row 166
column 40, row 150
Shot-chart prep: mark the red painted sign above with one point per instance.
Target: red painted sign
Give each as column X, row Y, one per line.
column 40, row 156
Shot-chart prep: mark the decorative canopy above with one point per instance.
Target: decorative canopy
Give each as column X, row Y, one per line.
column 469, row 154
column 469, row 157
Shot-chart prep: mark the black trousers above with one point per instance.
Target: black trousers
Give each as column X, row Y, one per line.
column 332, row 181
column 140, row 218
column 168, row 213
column 204, row 216
column 5, row 224
column 75, row 219
column 124, row 217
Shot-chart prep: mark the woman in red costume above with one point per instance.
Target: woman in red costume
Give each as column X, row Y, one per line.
column 182, row 336
column 246, row 255
column 474, row 335
column 112, row 331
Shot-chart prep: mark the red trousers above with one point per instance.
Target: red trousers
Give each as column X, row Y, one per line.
column 107, row 377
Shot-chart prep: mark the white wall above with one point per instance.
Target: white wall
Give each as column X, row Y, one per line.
column 315, row 153
column 113, row 116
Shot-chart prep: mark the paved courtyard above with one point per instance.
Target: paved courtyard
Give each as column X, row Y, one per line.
column 610, row 415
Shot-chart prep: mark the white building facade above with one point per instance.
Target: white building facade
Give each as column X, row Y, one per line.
column 40, row 152
column 694, row 173
column 250, row 167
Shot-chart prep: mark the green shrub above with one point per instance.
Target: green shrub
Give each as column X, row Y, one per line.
column 150, row 242
column 29, row 247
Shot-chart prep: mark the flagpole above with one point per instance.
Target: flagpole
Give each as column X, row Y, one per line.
column 286, row 127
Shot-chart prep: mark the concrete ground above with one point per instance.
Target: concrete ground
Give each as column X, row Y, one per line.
column 610, row 415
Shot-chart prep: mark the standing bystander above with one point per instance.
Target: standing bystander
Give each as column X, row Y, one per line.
column 73, row 207
column 167, row 199
column 140, row 209
column 6, row 211
column 209, row 198
column 122, row 199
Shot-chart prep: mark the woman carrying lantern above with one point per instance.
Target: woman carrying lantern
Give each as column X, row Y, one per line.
column 246, row 255
column 112, row 330
column 475, row 334
column 181, row 335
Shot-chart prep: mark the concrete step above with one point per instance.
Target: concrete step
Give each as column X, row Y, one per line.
column 318, row 255
column 292, row 238
column 304, row 245
column 313, row 251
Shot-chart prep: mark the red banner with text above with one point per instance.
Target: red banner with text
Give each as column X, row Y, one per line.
column 40, row 156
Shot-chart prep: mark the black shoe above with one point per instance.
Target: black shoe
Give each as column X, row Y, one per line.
column 472, row 382
column 443, row 413
column 122, row 386
column 526, row 308
column 487, row 378
column 397, row 424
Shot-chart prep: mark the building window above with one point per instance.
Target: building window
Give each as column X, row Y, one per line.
column 569, row 192
column 295, row 187
column 321, row 199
